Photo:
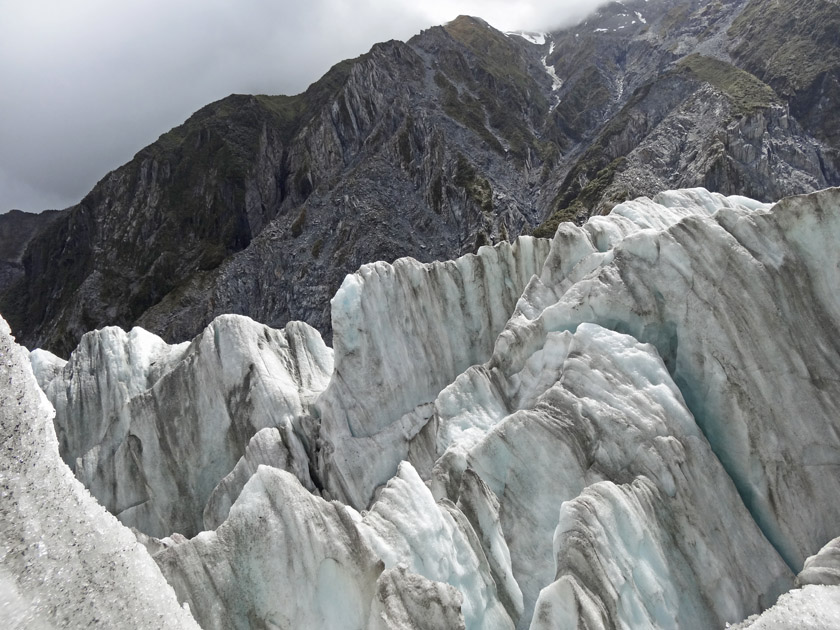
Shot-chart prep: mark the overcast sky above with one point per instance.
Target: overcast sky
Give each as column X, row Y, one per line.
column 86, row 84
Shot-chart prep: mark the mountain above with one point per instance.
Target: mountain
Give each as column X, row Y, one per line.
column 631, row 425
column 17, row 229
column 260, row 205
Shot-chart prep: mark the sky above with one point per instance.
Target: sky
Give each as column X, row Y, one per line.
column 86, row 84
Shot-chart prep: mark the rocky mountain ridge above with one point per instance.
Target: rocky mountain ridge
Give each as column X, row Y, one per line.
column 260, row 205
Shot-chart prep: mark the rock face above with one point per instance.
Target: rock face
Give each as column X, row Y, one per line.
column 17, row 229
column 641, row 441
column 683, row 106
column 66, row 562
column 461, row 136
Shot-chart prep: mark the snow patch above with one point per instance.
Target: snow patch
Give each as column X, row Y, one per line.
column 556, row 81
column 535, row 38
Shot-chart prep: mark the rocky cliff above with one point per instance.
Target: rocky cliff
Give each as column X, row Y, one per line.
column 17, row 229
column 260, row 205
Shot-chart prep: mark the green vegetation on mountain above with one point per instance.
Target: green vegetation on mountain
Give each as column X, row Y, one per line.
column 583, row 106
column 467, row 110
column 497, row 54
column 583, row 189
column 477, row 188
column 788, row 43
column 498, row 89
column 792, row 45
column 583, row 203
column 745, row 91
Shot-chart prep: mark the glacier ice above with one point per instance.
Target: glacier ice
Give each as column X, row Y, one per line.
column 284, row 558
column 725, row 299
column 408, row 600
column 814, row 606
column 64, row 561
column 810, row 608
column 402, row 332
column 631, row 425
column 591, row 470
column 268, row 447
column 152, row 429
column 823, row 567
column 293, row 560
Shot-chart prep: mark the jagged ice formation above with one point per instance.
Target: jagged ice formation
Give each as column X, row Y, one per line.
column 64, row 560
column 634, row 425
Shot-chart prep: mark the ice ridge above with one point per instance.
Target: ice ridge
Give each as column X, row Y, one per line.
column 633, row 425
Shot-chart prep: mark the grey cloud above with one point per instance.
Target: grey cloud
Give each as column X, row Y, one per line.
column 87, row 84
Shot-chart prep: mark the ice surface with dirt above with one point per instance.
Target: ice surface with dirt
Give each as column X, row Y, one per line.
column 632, row 425
column 152, row 429
column 402, row 332
column 64, row 561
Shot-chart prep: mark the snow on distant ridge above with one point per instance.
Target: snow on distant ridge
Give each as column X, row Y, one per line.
column 535, row 38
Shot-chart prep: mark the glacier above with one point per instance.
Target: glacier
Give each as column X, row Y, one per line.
column 64, row 560
column 171, row 422
column 401, row 333
column 631, row 425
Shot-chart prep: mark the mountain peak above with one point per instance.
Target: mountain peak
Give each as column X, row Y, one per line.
column 462, row 136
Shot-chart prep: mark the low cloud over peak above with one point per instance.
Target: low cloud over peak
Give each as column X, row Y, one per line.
column 87, row 84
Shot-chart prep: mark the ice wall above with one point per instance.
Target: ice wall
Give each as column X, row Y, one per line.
column 742, row 307
column 403, row 332
column 64, row 561
column 152, row 429
column 292, row 560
